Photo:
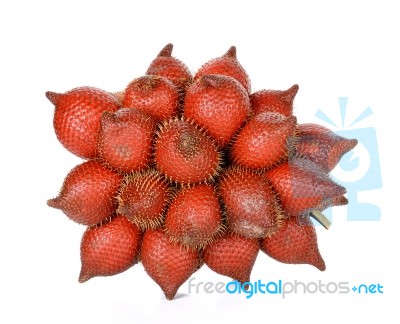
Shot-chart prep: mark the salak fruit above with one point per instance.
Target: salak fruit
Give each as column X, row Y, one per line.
column 194, row 217
column 233, row 256
column 143, row 198
column 228, row 65
column 184, row 153
column 125, row 139
column 167, row 262
column 219, row 104
column 88, row 193
column 109, row 248
column 171, row 68
column 250, row 204
column 264, row 141
column 77, row 118
column 153, row 95
column 185, row 170
column 279, row 101
column 295, row 242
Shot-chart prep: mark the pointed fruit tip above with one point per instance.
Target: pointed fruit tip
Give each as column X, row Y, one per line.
column 340, row 201
column 319, row 263
column 351, row 143
column 334, row 189
column 166, row 51
column 54, row 203
column 83, row 277
column 231, row 52
column 289, row 94
column 243, row 278
column 294, row 88
column 170, row 293
column 53, row 96
column 245, row 284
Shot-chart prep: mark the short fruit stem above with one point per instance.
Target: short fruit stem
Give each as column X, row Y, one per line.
column 321, row 218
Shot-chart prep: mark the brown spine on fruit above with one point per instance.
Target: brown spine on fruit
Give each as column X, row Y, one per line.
column 148, row 210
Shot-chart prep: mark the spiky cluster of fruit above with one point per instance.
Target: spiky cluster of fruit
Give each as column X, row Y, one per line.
column 183, row 170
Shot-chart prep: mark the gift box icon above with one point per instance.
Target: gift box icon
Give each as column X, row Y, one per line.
column 359, row 170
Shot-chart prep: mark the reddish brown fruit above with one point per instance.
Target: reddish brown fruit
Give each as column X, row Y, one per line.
column 167, row 66
column 203, row 169
column 194, row 217
column 153, row 95
column 77, row 118
column 109, row 248
column 143, row 198
column 228, row 65
column 88, row 193
column 126, row 139
column 185, row 154
column 322, row 146
column 295, row 243
column 274, row 101
column 169, row 264
column 303, row 186
column 251, row 206
column 218, row 103
column 264, row 141
column 334, row 201
column 233, row 256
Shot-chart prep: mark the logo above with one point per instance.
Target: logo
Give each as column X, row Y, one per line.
column 359, row 170
column 283, row 288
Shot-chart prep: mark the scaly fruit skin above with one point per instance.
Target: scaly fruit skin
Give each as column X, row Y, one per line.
column 143, row 198
column 153, row 95
column 194, row 216
column 322, row 146
column 169, row 264
column 184, row 170
column 333, row 201
column 109, row 249
column 218, row 103
column 274, row 101
column 167, row 66
column 233, row 256
column 77, row 118
column 126, row 139
column 250, row 204
column 295, row 243
column 264, row 141
column 228, row 65
column 302, row 186
column 185, row 154
column 88, row 193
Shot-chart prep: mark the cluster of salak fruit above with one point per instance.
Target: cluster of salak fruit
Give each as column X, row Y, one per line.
column 183, row 170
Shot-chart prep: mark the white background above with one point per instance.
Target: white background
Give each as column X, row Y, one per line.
column 330, row 48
